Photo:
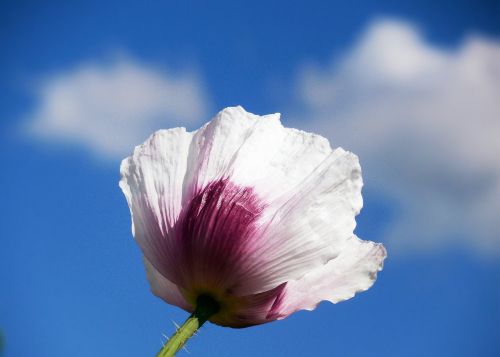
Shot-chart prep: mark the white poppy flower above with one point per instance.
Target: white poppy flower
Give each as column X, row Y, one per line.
column 256, row 217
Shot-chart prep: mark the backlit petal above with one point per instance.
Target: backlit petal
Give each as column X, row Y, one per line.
column 309, row 225
column 152, row 180
column 165, row 289
column 354, row 270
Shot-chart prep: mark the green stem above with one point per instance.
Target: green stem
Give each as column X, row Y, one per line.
column 206, row 306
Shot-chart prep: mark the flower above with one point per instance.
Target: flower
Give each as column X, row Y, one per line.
column 253, row 215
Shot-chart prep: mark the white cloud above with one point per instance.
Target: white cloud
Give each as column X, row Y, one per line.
column 109, row 107
column 426, row 124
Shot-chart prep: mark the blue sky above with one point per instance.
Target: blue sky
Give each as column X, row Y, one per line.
column 411, row 87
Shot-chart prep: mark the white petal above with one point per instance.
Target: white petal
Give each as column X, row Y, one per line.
column 354, row 270
column 216, row 146
column 254, row 151
column 164, row 288
column 152, row 181
column 312, row 226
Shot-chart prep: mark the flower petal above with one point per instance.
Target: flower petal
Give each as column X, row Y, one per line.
column 353, row 270
column 254, row 151
column 165, row 289
column 152, row 180
column 216, row 146
column 309, row 225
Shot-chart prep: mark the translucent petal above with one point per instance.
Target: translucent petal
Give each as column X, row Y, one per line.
column 309, row 225
column 152, row 180
column 352, row 271
column 165, row 289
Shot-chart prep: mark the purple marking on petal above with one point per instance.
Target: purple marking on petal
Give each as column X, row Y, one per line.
column 213, row 243
column 273, row 313
column 215, row 232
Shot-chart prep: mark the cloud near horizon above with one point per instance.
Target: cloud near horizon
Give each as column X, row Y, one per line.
column 109, row 107
column 425, row 122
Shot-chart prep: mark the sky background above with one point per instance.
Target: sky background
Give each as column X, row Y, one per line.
column 412, row 87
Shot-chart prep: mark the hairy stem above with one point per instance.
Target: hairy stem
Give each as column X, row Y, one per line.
column 206, row 306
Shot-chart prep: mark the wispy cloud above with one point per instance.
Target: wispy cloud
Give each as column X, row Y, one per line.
column 109, row 107
column 426, row 123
